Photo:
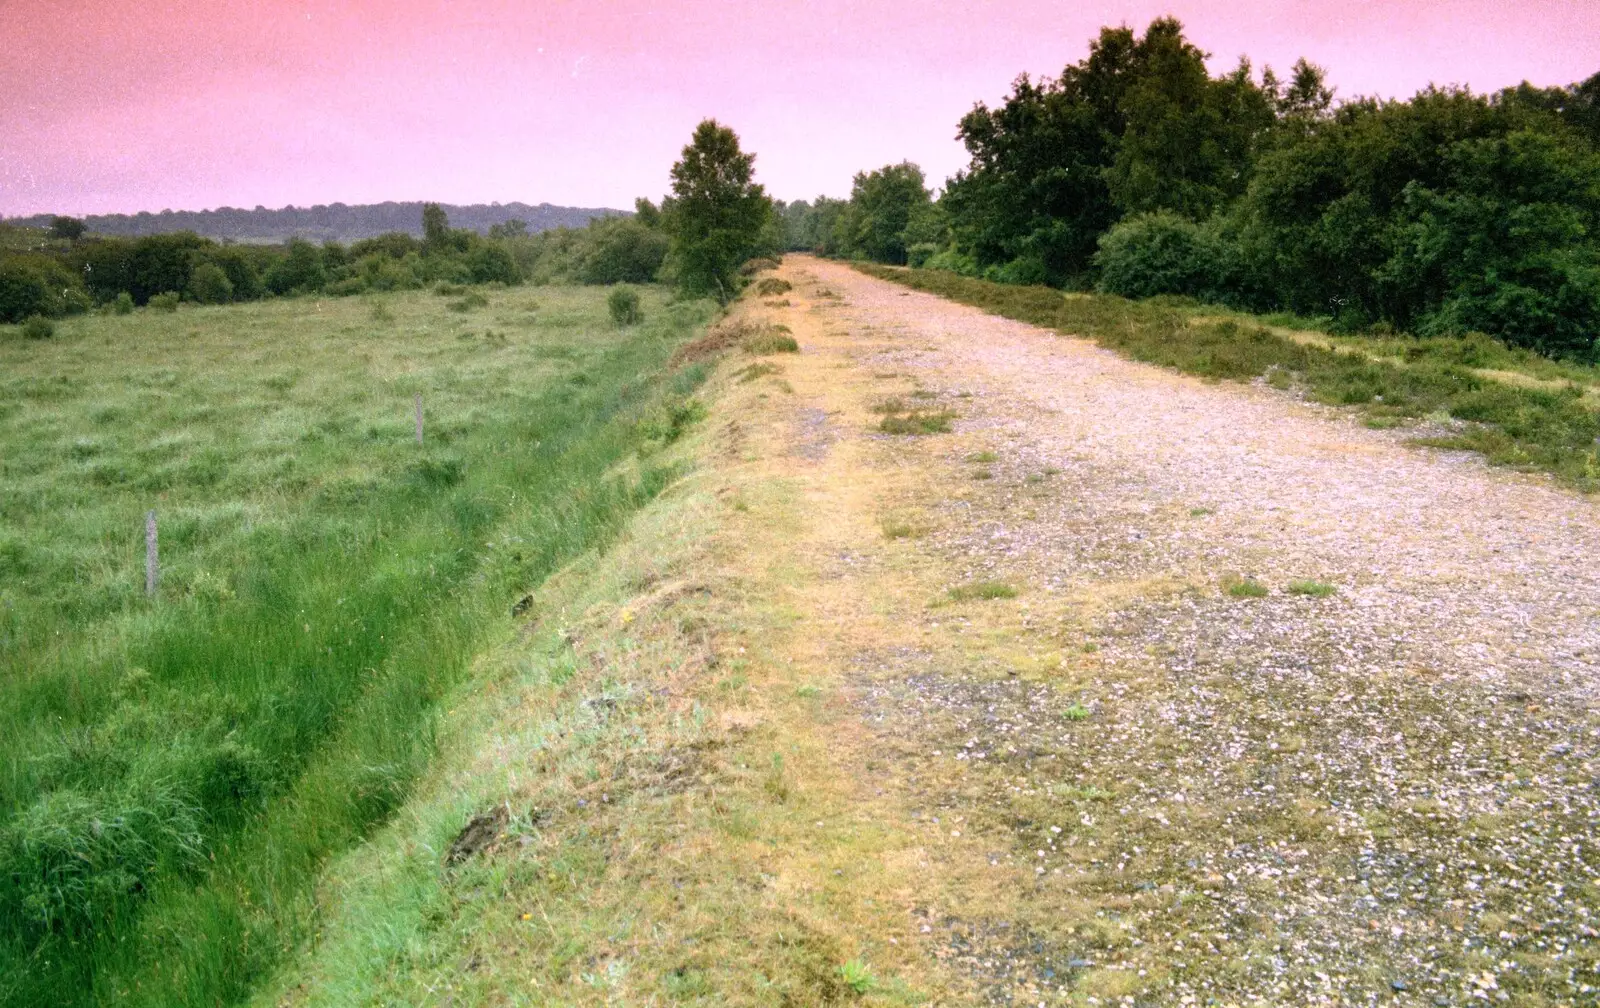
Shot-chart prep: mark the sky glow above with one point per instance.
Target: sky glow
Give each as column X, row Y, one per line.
column 118, row 106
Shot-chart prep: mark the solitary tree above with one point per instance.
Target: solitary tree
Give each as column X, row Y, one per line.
column 435, row 227
column 716, row 213
column 69, row 228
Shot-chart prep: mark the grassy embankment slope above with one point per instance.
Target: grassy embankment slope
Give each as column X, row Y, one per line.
column 175, row 772
column 1515, row 407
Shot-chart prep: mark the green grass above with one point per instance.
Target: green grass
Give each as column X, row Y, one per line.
column 917, row 423
column 1316, row 589
column 981, row 591
column 174, row 772
column 982, row 457
column 1552, row 429
column 1243, row 587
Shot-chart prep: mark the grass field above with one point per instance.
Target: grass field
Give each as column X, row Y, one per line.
column 1514, row 407
column 174, row 771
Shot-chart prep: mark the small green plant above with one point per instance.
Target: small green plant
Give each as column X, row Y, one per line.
column 1077, row 712
column 468, row 303
column 808, row 691
column 624, row 306
column 857, row 977
column 770, row 340
column 982, row 474
column 38, row 327
column 1243, row 587
column 917, row 423
column 1200, row 512
column 123, row 305
column 380, row 312
column 983, row 456
column 1316, row 589
column 894, row 528
column 981, row 591
column 167, row 301
column 771, row 286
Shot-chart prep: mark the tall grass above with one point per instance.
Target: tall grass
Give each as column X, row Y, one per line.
column 174, row 771
column 1548, row 429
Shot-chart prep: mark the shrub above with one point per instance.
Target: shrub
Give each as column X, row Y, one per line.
column 1156, row 253
column 490, row 263
column 23, row 291
column 300, row 271
column 208, row 284
column 167, row 301
column 771, row 340
column 623, row 304
column 769, row 286
column 38, row 327
column 123, row 305
column 621, row 251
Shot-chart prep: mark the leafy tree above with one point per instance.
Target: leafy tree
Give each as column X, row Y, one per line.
column 435, row 228
column 646, row 213
column 208, row 284
column 882, row 206
column 492, row 263
column 161, row 262
column 621, row 250
column 716, row 212
column 300, row 271
column 69, row 228
column 242, row 271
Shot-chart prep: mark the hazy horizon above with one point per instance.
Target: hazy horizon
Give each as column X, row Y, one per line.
column 197, row 106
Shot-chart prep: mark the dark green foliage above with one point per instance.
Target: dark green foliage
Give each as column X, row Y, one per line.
column 1159, row 253
column 393, row 245
column 300, row 271
column 623, row 305
column 123, row 304
column 620, row 250
column 513, row 228
column 883, row 205
column 242, row 270
column 67, row 228
column 488, row 263
column 435, row 228
column 1529, row 428
column 166, row 301
column 38, row 327
column 23, row 291
column 810, row 227
column 208, row 284
column 158, row 263
column 716, row 214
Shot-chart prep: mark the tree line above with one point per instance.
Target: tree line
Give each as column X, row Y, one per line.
column 716, row 218
column 1137, row 172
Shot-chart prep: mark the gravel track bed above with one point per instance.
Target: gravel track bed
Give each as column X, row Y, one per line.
column 1388, row 795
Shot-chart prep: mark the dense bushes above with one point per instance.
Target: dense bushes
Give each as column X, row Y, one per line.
column 1138, row 172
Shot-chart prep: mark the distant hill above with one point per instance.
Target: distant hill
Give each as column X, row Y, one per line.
column 333, row 222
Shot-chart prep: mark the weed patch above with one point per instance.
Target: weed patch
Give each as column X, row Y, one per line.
column 981, row 591
column 772, row 286
column 1243, row 587
column 1315, row 589
column 917, row 423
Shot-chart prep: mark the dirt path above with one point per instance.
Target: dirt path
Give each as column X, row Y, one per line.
column 1126, row 784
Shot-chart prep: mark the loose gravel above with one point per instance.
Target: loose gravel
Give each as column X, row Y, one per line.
column 1389, row 795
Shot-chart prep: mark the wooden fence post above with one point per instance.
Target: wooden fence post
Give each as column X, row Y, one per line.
column 152, row 564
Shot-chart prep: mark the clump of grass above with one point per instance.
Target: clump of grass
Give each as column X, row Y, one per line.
column 857, row 977
column 1077, row 712
column 917, row 423
column 983, row 456
column 780, row 303
column 624, row 306
column 772, row 286
column 446, row 289
column 894, row 404
column 379, row 312
column 1200, row 512
column 37, row 327
column 472, row 301
column 1316, row 589
column 982, row 474
column 167, row 301
column 1243, row 587
column 897, row 528
column 975, row 591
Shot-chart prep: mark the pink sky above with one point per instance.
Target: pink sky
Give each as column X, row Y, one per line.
column 112, row 105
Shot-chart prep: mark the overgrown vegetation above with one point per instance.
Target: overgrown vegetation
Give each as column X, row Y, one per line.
column 177, row 769
column 1138, row 173
column 1546, row 426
